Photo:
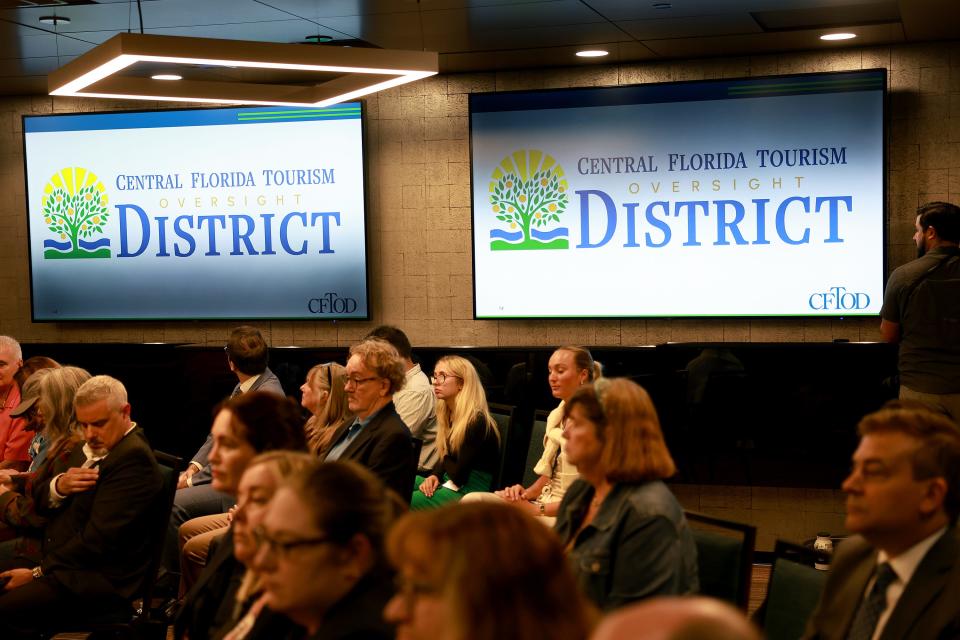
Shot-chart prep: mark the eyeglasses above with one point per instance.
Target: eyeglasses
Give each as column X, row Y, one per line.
column 282, row 548
column 440, row 378
column 358, row 381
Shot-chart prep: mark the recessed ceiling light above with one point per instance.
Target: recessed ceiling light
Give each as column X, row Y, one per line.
column 662, row 5
column 838, row 36
column 319, row 38
column 167, row 76
column 592, row 53
column 54, row 20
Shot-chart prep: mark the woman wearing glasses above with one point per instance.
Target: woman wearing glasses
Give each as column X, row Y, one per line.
column 321, row 554
column 324, row 397
column 259, row 482
column 625, row 532
column 468, row 442
column 245, row 425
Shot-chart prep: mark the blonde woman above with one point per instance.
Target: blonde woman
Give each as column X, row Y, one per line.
column 260, row 480
column 468, row 442
column 569, row 368
column 326, row 400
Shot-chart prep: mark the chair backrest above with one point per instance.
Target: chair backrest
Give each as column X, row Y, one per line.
column 416, row 445
column 503, row 414
column 170, row 468
column 535, row 450
column 724, row 557
column 792, row 592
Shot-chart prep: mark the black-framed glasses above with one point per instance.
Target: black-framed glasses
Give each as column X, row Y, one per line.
column 358, row 381
column 282, row 548
column 440, row 378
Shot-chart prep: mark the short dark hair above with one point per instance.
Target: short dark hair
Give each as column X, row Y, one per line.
column 942, row 216
column 394, row 336
column 938, row 453
column 247, row 350
column 266, row 421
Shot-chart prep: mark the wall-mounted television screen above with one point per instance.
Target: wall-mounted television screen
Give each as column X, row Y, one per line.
column 249, row 213
column 736, row 197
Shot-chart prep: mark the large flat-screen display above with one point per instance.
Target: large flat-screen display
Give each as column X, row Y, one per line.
column 250, row 213
column 743, row 197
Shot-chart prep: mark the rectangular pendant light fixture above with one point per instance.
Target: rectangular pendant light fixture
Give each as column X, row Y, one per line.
column 325, row 75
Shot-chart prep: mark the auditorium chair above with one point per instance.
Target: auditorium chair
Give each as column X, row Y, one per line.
column 724, row 557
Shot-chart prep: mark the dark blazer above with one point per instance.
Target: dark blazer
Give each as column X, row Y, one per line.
column 98, row 542
column 384, row 447
column 267, row 381
column 359, row 614
column 208, row 606
column 929, row 607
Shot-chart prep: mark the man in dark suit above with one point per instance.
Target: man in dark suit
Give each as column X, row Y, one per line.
column 101, row 507
column 378, row 439
column 899, row 577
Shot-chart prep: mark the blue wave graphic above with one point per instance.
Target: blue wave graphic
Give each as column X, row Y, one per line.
column 59, row 246
column 509, row 236
column 550, row 235
column 96, row 244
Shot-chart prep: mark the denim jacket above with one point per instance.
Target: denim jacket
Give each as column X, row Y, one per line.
column 638, row 545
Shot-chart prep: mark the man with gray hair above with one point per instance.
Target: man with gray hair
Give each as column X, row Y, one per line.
column 102, row 507
column 14, row 437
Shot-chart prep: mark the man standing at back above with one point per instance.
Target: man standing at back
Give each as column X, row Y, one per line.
column 899, row 577
column 101, row 505
column 415, row 403
column 921, row 312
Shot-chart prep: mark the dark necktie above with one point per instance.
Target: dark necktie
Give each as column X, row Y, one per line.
column 865, row 622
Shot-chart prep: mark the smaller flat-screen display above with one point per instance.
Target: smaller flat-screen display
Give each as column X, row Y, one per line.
column 248, row 213
column 741, row 197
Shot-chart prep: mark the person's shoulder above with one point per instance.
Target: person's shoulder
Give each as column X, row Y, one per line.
column 652, row 498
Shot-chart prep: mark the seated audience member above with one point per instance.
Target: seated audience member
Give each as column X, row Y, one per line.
column 257, row 485
column 14, row 438
column 376, row 438
column 244, row 426
column 899, row 575
column 100, row 504
column 415, row 401
column 48, row 407
column 676, row 618
column 626, row 533
column 568, row 369
column 324, row 397
column 468, row 443
column 247, row 357
column 482, row 571
column 321, row 553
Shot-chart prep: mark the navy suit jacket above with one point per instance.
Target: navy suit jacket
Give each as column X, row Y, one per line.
column 383, row 446
column 266, row 382
column 928, row 609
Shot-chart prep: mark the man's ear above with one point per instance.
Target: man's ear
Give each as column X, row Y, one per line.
column 935, row 495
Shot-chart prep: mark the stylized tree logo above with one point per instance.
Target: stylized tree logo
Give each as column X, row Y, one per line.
column 74, row 208
column 528, row 192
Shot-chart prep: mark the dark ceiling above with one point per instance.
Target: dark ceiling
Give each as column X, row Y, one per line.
column 472, row 35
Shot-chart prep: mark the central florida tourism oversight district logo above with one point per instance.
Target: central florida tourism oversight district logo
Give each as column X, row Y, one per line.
column 528, row 194
column 74, row 207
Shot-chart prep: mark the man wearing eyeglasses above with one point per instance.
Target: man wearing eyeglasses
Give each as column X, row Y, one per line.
column 415, row 403
column 377, row 438
column 103, row 505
